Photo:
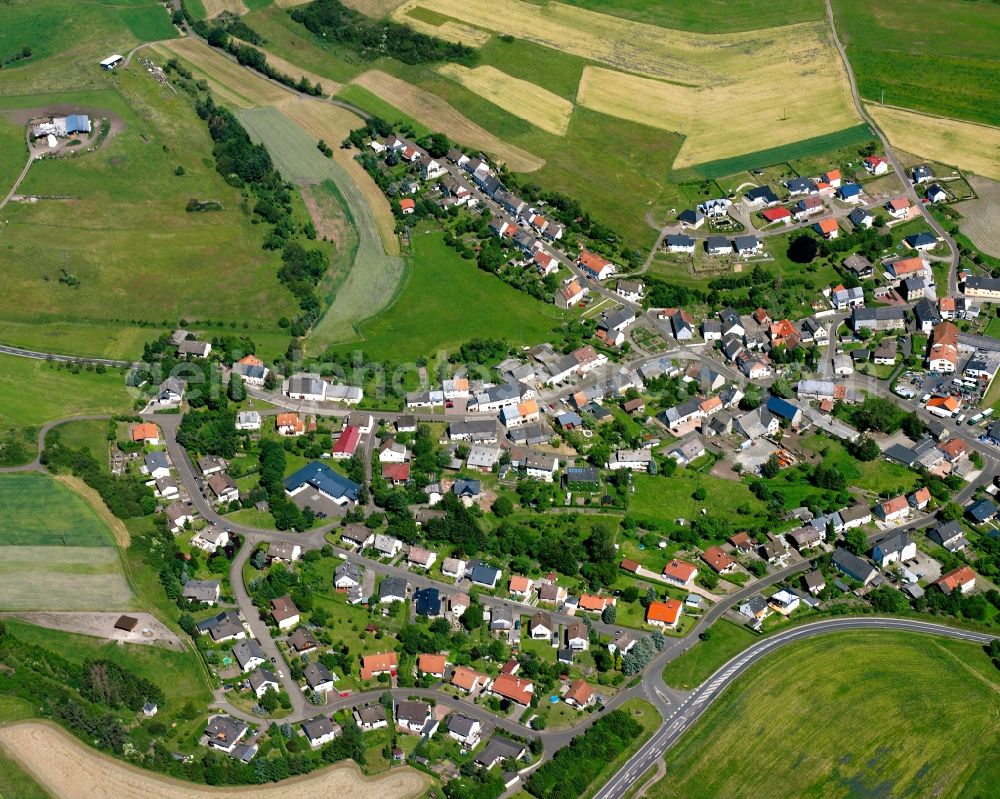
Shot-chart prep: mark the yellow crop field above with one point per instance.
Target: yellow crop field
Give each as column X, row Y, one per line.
column 215, row 7
column 968, row 146
column 727, row 93
column 450, row 29
column 232, row 83
column 720, row 121
column 437, row 114
column 523, row 99
column 373, row 8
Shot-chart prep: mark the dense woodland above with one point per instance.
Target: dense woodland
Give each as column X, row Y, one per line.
column 372, row 39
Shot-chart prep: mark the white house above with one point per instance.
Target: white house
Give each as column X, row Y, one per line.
column 897, row 548
column 248, row 420
column 210, row 539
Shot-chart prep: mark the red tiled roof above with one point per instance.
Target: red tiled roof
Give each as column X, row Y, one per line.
column 717, row 559
column 348, row 440
column 955, row 579
column 397, row 472
column 431, row 664
column 679, row 570
column 517, row 689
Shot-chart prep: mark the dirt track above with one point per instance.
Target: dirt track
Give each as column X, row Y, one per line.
column 102, row 625
column 70, row 770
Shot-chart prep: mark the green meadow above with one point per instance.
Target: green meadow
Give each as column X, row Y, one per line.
column 100, row 292
column 446, row 300
column 937, row 56
column 848, row 714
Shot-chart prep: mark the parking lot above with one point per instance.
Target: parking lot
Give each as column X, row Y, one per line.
column 918, row 386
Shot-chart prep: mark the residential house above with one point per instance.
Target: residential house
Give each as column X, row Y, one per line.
column 942, row 355
column 392, row 589
column 469, row 680
column 577, row 637
column 249, row 655
column 827, row 228
column 893, row 510
column 920, row 498
column 854, row 567
column 680, row 572
column 370, row 717
column 413, row 716
column 420, row 557
column 594, row 266
column 950, row 536
column 580, row 695
column 205, row 591
column 307, row 386
column 841, row 297
column 962, row 579
column 691, row 218
column 780, row 214
column 518, row 690
column 284, row 612
column 289, row 424
column 211, row 539
column 679, row 243
column 320, row 731
column 225, row 733
column 346, row 576
column 747, row 246
column 718, row 245
column 876, row 165
column 321, row 479
column 936, row 194
column 861, row 218
column 718, row 560
column 248, row 420
column 262, row 681
column 224, row 488
column 814, row 582
column 482, row 574
column 433, row 665
column 784, row 602
column 665, row 614
column 382, row 663
column 755, row 608
column 465, row 730
column 898, row 207
column 896, row 548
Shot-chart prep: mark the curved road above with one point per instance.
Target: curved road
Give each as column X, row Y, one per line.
column 692, row 708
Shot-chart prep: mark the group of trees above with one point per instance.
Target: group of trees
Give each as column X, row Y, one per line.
column 248, row 165
column 881, row 415
column 372, row 39
column 570, row 773
column 127, row 497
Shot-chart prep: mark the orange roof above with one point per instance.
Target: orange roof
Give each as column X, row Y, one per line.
column 955, row 579
column 517, row 689
column 520, row 584
column 945, row 333
column 466, row 678
column 950, row 403
column 922, row 495
column 592, row 260
column 144, row 431
column 407, row 203
column 570, row 290
column 287, row 420
column 899, row 203
column 680, row 571
column 431, row 664
column 593, row 602
column 828, row 225
column 833, row 174
column 946, row 303
column 717, row 559
column 251, row 360
column 527, row 407
column 711, row 404
column 374, row 664
column 894, row 505
column 579, row 692
column 629, row 565
column 782, row 329
column 666, row 612
column 399, row 472
column 906, row 265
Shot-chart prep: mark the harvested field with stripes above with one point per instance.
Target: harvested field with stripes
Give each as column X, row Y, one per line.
column 215, row 7
column 436, row 114
column 232, row 84
column 971, row 147
column 68, row 769
column 726, row 93
column 523, row 99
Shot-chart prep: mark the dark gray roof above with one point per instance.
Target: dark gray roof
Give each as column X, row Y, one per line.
column 461, row 725
column 317, row 674
column 853, row 566
column 318, row 727
column 392, row 586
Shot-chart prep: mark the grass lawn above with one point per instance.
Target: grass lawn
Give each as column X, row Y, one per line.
column 36, row 510
column 699, row 662
column 665, row 499
column 951, row 68
column 877, row 475
column 13, row 154
column 888, row 714
column 59, row 558
column 88, row 434
column 34, row 392
column 445, row 301
column 61, row 267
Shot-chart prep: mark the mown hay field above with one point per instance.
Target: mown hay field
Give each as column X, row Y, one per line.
column 523, row 99
column 37, row 511
column 723, row 92
column 374, row 276
column 430, row 110
column 720, row 121
column 215, row 7
column 433, row 24
column 232, row 84
column 71, row 770
column 971, row 147
column 982, row 215
column 294, row 70
column 875, row 713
